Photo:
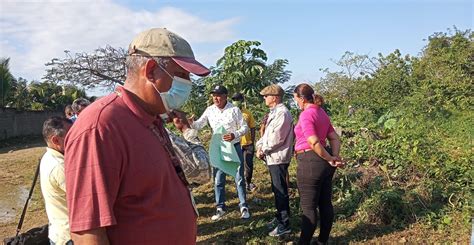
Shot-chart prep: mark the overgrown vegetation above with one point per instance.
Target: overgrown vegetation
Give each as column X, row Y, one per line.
column 409, row 122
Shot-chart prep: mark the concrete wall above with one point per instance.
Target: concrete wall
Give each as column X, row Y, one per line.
column 15, row 123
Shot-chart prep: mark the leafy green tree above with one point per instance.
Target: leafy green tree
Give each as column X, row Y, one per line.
column 72, row 92
column 338, row 87
column 445, row 72
column 18, row 96
column 243, row 68
column 50, row 96
column 6, row 80
column 388, row 78
column 388, row 85
column 198, row 99
column 276, row 72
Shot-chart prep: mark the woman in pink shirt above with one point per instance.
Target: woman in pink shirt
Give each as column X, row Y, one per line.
column 316, row 163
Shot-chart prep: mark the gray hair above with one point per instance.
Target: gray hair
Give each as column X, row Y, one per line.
column 55, row 126
column 79, row 104
column 279, row 99
column 133, row 62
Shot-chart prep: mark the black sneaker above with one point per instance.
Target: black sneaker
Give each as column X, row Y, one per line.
column 279, row 232
column 271, row 225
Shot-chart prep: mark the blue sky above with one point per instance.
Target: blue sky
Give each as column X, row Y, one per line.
column 307, row 33
column 311, row 33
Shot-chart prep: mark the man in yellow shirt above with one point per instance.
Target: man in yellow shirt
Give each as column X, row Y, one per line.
column 53, row 184
column 247, row 141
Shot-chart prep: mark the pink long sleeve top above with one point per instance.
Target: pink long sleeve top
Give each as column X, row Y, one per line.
column 313, row 121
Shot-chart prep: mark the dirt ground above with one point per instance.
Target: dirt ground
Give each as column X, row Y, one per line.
column 17, row 166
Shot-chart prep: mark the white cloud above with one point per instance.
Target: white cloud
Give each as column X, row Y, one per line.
column 34, row 32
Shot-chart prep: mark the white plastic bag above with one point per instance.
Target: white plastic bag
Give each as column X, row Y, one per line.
column 194, row 159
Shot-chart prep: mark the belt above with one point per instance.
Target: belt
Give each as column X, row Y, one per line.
column 302, row 151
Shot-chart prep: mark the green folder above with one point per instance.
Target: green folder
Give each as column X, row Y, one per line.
column 222, row 154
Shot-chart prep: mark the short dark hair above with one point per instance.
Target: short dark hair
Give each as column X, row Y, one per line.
column 238, row 97
column 305, row 91
column 55, row 126
column 79, row 104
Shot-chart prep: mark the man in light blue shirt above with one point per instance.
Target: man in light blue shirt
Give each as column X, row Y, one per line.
column 224, row 114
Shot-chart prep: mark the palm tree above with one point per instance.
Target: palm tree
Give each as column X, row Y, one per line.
column 18, row 95
column 6, row 79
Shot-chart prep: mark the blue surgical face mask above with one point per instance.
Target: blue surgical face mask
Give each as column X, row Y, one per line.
column 177, row 95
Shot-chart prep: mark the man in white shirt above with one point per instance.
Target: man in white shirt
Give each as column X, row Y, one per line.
column 222, row 113
column 53, row 184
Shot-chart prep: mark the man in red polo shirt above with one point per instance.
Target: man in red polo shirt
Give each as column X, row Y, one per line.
column 124, row 183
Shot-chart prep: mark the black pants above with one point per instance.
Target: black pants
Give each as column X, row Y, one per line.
column 248, row 151
column 314, row 179
column 278, row 174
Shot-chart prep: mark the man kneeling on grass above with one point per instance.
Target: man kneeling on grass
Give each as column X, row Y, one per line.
column 53, row 184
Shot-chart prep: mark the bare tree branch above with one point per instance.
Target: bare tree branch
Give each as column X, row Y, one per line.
column 355, row 65
column 105, row 67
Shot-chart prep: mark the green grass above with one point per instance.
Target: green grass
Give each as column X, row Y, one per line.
column 364, row 190
column 351, row 224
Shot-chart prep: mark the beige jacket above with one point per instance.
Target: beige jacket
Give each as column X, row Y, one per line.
column 277, row 141
column 53, row 188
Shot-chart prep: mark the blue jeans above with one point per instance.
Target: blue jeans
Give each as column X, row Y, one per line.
column 219, row 182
